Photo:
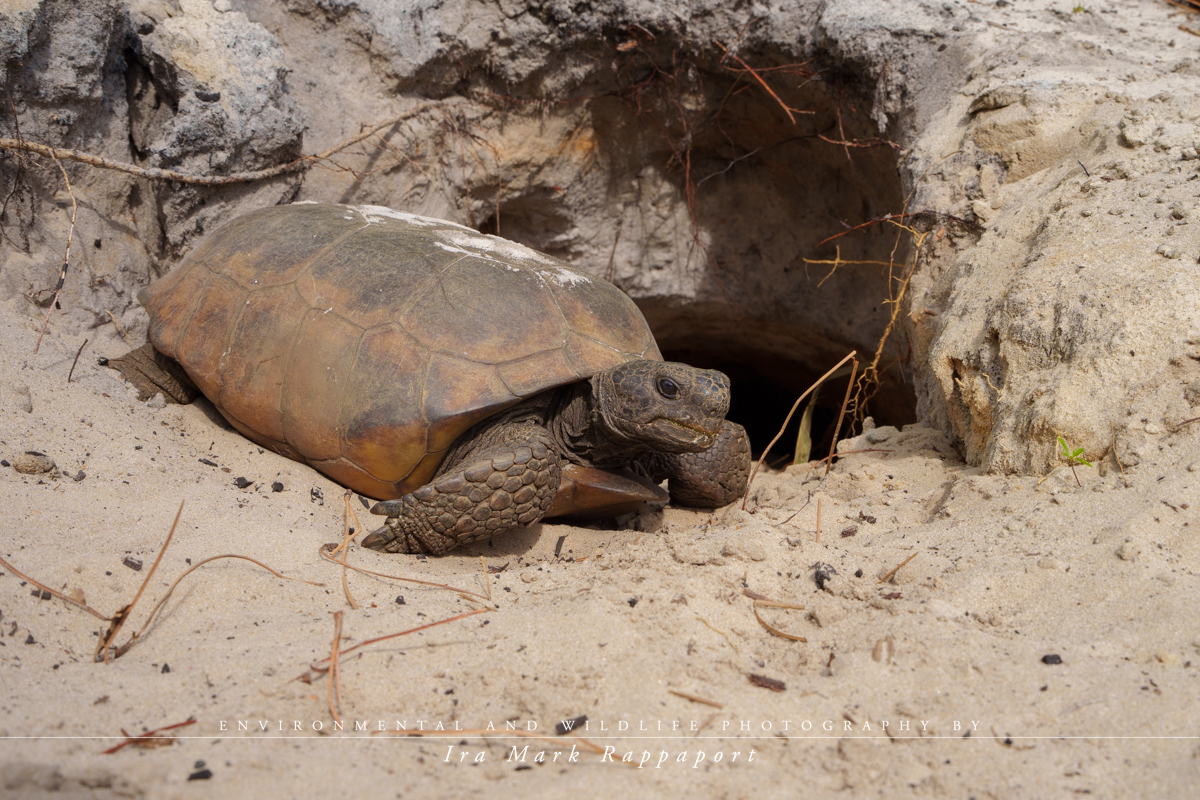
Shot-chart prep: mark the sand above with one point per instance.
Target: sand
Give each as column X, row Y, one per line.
column 1041, row 637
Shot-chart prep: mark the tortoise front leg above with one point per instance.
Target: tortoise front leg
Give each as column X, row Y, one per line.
column 709, row 479
column 492, row 492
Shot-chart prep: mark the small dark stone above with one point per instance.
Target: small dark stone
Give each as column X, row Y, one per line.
column 767, row 683
column 566, row 726
column 96, row 243
column 201, row 775
column 865, row 517
column 165, row 669
column 199, row 764
column 242, row 483
column 206, row 461
column 364, row 501
column 400, row 600
column 102, row 361
column 316, row 495
column 133, row 563
column 276, row 487
column 847, row 532
column 1052, row 658
column 207, row 97
column 632, row 602
column 4, row 462
column 858, row 573
column 521, row 767
column 78, row 476
column 41, row 594
column 30, row 640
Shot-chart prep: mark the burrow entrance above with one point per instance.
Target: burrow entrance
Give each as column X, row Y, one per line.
column 703, row 197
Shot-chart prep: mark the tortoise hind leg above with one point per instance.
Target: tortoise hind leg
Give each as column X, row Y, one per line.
column 711, row 478
column 490, row 493
column 151, row 372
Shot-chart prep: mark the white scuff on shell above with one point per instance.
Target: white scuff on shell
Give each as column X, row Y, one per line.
column 566, row 277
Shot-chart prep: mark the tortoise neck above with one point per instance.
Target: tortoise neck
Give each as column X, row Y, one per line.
column 581, row 432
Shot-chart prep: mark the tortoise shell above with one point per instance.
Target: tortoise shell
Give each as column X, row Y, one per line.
column 364, row 341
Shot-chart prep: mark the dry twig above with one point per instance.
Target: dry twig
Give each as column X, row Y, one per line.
column 335, row 677
column 150, row 738
column 885, row 578
column 59, row 595
column 788, row 419
column 122, row 615
column 838, row 428
column 326, row 553
column 772, row 628
column 62, row 275
column 696, row 698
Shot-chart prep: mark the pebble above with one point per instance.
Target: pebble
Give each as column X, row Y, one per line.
column 1052, row 658
column 32, row 462
column 157, row 402
column 1167, row 251
column 529, row 576
column 133, row 563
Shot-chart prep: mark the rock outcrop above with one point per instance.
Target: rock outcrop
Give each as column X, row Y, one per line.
column 1044, row 279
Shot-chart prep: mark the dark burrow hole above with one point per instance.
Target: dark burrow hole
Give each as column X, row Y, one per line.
column 765, row 387
column 754, row 195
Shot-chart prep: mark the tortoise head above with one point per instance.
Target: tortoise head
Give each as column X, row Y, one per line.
column 662, row 406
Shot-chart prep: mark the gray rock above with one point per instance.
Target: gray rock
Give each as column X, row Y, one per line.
column 33, row 463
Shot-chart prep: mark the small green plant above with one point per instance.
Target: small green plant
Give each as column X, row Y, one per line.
column 1079, row 9
column 1073, row 457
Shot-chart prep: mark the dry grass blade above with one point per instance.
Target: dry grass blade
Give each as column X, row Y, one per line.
column 887, row 577
column 344, row 547
column 62, row 275
column 696, row 698
column 122, row 615
column 1112, row 429
column 326, row 553
column 323, row 665
column 59, row 595
column 189, row 571
column 837, row 430
column 486, row 581
column 788, row 419
column 723, row 633
column 772, row 628
column 150, row 738
column 78, row 353
column 335, row 677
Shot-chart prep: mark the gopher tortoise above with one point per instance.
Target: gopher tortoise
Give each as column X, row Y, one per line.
column 471, row 384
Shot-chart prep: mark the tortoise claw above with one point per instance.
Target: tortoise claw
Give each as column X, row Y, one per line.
column 388, row 508
column 378, row 538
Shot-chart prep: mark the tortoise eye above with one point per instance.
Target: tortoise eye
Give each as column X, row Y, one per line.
column 668, row 388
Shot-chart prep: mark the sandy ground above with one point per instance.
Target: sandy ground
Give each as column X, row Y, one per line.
column 934, row 682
